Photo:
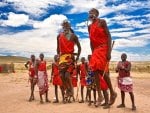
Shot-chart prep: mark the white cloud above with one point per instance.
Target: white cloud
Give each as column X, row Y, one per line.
column 51, row 22
column 84, row 5
column 121, row 30
column 35, row 7
column 125, row 43
column 122, row 34
column 43, row 39
column 15, row 20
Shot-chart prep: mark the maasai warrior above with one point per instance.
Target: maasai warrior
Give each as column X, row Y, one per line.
column 83, row 75
column 55, row 77
column 125, row 81
column 66, row 42
column 30, row 65
column 42, row 78
column 100, row 41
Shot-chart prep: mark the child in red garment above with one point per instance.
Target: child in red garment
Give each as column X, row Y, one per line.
column 42, row 78
column 74, row 77
column 30, row 65
column 83, row 75
column 125, row 81
column 55, row 77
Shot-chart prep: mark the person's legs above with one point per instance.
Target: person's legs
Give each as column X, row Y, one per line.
column 32, row 90
column 94, row 94
column 89, row 95
column 113, row 94
column 106, row 105
column 97, row 81
column 46, row 97
column 122, row 100
column 41, row 99
column 132, row 100
column 56, row 94
column 64, row 86
column 69, row 83
column 82, row 95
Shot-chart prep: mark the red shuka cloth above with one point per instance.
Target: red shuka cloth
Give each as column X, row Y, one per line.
column 83, row 74
column 103, row 84
column 42, row 66
column 66, row 46
column 99, row 39
column 123, row 73
column 31, row 69
column 56, row 77
column 74, row 78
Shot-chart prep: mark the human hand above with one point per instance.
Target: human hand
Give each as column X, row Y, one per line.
column 108, row 57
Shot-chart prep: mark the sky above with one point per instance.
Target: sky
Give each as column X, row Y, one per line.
column 31, row 26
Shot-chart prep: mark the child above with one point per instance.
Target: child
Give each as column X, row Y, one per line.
column 90, row 82
column 83, row 74
column 125, row 81
column 55, row 77
column 42, row 78
column 31, row 69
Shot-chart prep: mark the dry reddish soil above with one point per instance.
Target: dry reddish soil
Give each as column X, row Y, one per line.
column 15, row 91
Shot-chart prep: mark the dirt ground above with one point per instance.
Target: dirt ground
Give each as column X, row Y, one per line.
column 15, row 91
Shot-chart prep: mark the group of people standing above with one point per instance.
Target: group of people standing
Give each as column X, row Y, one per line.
column 93, row 74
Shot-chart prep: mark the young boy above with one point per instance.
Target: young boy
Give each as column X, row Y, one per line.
column 125, row 81
column 82, row 74
column 42, row 78
column 90, row 82
column 55, row 77
column 30, row 65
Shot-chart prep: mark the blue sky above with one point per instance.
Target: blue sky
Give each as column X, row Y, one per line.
column 31, row 26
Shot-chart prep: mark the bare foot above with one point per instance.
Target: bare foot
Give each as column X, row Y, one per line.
column 113, row 98
column 30, row 99
column 47, row 100
column 89, row 104
column 133, row 108
column 107, row 106
column 81, row 101
column 121, row 106
column 41, row 101
column 56, row 101
column 98, row 103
